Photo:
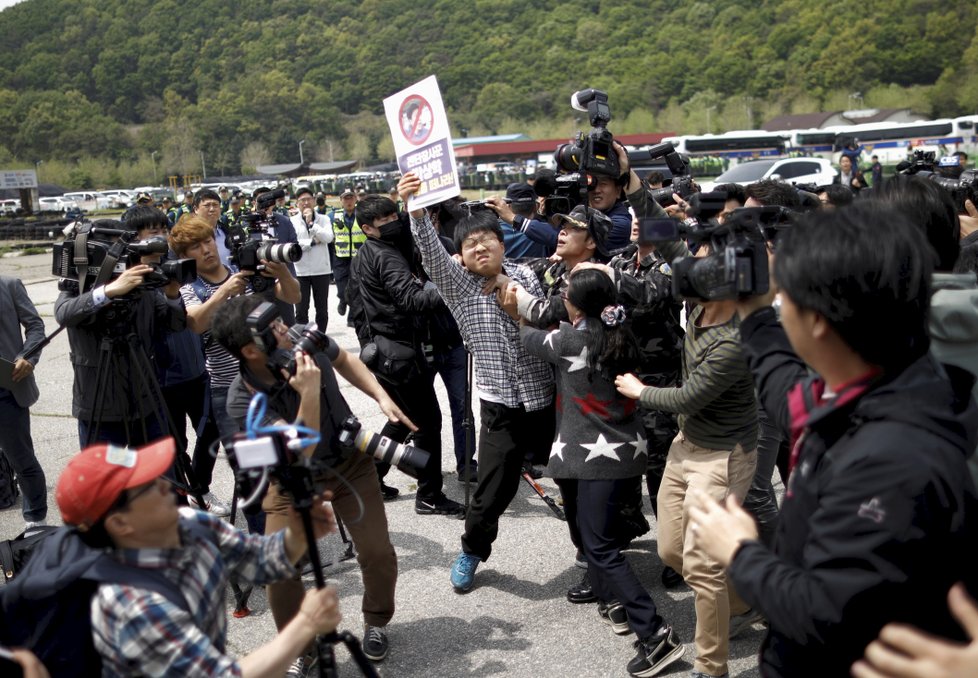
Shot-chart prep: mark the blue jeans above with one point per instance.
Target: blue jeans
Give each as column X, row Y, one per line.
column 18, row 448
column 451, row 366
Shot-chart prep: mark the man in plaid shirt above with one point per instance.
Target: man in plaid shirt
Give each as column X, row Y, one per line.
column 516, row 390
column 117, row 497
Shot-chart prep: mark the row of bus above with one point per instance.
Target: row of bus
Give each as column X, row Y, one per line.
column 890, row 141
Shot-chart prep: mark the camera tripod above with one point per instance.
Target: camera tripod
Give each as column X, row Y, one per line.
column 121, row 349
column 297, row 481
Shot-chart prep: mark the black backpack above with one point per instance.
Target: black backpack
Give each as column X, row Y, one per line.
column 14, row 553
column 47, row 607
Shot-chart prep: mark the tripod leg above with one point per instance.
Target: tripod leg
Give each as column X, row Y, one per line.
column 94, row 423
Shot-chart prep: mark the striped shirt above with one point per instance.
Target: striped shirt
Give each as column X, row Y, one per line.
column 505, row 372
column 222, row 367
column 139, row 632
column 716, row 403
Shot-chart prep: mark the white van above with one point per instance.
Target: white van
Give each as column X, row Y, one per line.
column 89, row 200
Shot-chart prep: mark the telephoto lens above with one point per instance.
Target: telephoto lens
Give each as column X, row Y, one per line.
column 408, row 459
column 280, row 252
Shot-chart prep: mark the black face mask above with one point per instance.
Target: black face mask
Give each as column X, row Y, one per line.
column 391, row 231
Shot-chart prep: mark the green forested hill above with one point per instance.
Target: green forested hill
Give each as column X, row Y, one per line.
column 85, row 82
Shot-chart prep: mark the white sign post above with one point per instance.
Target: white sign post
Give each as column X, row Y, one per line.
column 423, row 142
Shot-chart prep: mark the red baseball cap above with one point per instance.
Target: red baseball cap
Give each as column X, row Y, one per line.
column 97, row 476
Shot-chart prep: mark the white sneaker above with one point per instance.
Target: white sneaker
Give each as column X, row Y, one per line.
column 30, row 525
column 212, row 505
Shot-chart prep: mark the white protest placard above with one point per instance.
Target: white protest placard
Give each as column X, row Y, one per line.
column 423, row 141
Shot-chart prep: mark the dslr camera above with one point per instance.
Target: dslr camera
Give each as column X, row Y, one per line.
column 306, row 339
column 681, row 183
column 590, row 152
column 93, row 255
column 249, row 242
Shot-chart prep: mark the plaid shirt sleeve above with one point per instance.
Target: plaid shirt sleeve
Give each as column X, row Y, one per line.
column 141, row 633
column 252, row 557
column 453, row 281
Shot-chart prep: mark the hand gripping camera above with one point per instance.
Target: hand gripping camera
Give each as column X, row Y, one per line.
column 250, row 243
column 591, row 152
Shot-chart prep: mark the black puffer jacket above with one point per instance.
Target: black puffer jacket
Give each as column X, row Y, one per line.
column 879, row 517
column 385, row 296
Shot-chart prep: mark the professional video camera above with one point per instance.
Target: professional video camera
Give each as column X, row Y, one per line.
column 948, row 173
column 591, row 152
column 93, row 255
column 250, row 243
column 681, row 184
column 737, row 265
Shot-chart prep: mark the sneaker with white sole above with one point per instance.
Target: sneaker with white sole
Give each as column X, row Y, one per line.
column 656, row 653
column 211, row 504
column 613, row 614
column 375, row 643
column 463, row 571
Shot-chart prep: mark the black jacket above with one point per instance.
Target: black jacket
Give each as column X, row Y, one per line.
column 385, row 296
column 878, row 519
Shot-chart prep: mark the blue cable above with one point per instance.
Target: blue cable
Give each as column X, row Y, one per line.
column 303, row 435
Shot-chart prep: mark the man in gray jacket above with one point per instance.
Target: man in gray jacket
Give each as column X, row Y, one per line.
column 18, row 391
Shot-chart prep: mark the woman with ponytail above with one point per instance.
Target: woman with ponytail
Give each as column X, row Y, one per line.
column 599, row 451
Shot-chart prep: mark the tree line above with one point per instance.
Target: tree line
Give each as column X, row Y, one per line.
column 129, row 91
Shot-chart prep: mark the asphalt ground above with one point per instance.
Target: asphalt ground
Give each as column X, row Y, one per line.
column 515, row 622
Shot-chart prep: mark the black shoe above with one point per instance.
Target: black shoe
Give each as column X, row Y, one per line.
column 341, row 309
column 375, row 645
column 473, row 476
column 581, row 592
column 580, row 561
column 536, row 472
column 655, row 653
column 613, row 614
column 670, row 578
column 389, row 493
column 437, row 506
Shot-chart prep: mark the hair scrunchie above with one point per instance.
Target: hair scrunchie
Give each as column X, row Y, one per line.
column 613, row 316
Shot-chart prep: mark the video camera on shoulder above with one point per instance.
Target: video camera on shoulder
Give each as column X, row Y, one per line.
column 94, row 254
column 737, row 263
column 249, row 242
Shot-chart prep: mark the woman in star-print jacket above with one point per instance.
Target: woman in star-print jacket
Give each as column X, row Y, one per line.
column 600, row 447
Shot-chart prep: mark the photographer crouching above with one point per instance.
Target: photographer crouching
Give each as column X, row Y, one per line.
column 300, row 386
column 111, row 324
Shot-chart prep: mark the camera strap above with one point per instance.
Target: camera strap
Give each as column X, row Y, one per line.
column 80, row 258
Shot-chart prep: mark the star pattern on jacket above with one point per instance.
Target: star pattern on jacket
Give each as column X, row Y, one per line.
column 577, row 362
column 549, row 339
column 590, row 403
column 602, row 448
column 557, row 449
column 641, row 446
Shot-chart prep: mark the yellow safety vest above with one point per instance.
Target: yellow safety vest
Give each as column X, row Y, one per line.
column 347, row 241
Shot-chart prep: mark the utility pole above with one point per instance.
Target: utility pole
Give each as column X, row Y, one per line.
column 301, row 160
column 203, row 167
column 153, row 157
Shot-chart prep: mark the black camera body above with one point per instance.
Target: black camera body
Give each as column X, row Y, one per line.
column 591, row 152
column 737, row 265
column 250, row 243
column 947, row 173
column 681, row 184
column 306, row 339
column 80, row 259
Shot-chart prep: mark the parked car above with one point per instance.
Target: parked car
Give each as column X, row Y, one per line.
column 120, row 198
column 56, row 204
column 8, row 208
column 89, row 200
column 818, row 171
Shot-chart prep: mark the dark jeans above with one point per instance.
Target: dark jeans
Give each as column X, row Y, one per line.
column 18, row 448
column 416, row 398
column 192, row 399
column 592, row 508
column 314, row 286
column 507, row 434
column 451, row 366
column 131, row 433
column 761, row 502
column 227, row 427
column 341, row 274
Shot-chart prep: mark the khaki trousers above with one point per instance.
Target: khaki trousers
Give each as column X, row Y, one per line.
column 717, row 473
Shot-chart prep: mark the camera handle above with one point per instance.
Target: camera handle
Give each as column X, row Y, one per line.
column 302, row 497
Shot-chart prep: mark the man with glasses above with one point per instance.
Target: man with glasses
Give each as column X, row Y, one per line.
column 313, row 232
column 118, row 499
column 207, row 206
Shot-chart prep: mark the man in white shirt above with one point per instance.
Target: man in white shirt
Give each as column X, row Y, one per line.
column 313, row 233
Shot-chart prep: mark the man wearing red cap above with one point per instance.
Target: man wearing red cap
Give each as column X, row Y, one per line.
column 117, row 497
